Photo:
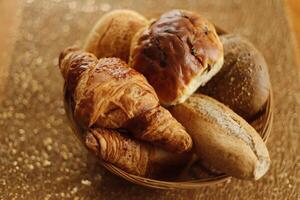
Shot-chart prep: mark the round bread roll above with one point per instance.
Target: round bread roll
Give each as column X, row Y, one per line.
column 223, row 140
column 243, row 82
column 112, row 34
column 177, row 53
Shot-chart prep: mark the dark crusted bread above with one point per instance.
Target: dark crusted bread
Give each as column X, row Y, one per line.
column 177, row 53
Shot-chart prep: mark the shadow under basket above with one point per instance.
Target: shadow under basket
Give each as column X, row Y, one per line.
column 194, row 175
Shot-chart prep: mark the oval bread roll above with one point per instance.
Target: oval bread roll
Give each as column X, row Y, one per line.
column 243, row 82
column 112, row 34
column 177, row 53
column 223, row 140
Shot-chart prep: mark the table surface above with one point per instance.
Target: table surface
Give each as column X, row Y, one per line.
column 39, row 156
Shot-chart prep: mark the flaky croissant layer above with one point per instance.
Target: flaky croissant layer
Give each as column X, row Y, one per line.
column 109, row 94
column 133, row 156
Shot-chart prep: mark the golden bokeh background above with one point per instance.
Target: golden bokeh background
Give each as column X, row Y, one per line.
column 39, row 156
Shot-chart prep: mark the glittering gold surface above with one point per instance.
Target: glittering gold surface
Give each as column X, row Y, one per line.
column 41, row 159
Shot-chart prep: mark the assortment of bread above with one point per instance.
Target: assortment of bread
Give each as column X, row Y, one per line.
column 148, row 117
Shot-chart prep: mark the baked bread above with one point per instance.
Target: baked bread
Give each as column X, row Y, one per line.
column 134, row 156
column 223, row 140
column 177, row 53
column 112, row 34
column 243, row 82
column 108, row 94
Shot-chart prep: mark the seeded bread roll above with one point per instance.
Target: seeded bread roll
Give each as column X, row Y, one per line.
column 177, row 53
column 243, row 82
column 223, row 140
column 112, row 34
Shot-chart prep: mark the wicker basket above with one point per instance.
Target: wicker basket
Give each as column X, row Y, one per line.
column 262, row 124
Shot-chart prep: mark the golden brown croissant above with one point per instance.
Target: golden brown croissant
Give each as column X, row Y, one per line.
column 109, row 94
column 133, row 156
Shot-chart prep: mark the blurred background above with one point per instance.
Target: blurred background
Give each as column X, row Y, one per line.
column 39, row 157
column 293, row 14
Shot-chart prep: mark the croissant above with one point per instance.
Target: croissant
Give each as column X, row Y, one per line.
column 109, row 94
column 133, row 156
